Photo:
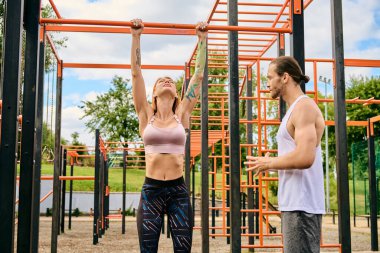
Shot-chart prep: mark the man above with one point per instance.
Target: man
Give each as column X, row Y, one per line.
column 299, row 162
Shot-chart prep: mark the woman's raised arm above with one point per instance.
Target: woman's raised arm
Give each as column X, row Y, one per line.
column 192, row 93
column 138, row 84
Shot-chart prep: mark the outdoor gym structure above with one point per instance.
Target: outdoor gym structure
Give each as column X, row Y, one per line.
column 239, row 49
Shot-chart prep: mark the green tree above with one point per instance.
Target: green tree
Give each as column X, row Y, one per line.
column 364, row 88
column 74, row 139
column 113, row 113
column 47, row 136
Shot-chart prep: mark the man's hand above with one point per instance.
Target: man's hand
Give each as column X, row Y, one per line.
column 258, row 164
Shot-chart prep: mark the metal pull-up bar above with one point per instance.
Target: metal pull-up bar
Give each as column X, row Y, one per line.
column 161, row 25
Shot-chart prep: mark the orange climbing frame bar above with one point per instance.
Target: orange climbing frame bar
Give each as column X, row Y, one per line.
column 55, row 9
column 161, row 25
column 102, row 29
column 119, row 66
column 63, row 178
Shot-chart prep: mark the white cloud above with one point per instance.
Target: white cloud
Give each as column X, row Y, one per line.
column 71, row 123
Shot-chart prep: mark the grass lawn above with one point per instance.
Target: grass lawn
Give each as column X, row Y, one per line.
column 135, row 179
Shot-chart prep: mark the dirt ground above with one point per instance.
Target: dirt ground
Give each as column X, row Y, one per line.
column 79, row 238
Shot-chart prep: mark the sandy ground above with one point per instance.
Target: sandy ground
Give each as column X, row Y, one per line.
column 79, row 238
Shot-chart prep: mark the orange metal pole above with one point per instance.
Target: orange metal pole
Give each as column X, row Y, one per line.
column 224, row 213
column 253, row 13
column 259, row 151
column 120, row 66
column 123, row 30
column 46, row 196
column 55, row 9
column 276, row 21
column 361, row 63
column 255, row 4
column 161, row 25
column 251, row 20
column 51, row 43
column 315, row 81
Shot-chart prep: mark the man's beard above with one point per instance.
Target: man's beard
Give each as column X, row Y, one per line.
column 275, row 94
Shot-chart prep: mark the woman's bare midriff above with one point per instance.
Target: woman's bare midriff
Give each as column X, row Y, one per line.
column 164, row 166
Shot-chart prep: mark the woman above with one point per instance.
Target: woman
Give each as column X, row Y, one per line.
column 162, row 126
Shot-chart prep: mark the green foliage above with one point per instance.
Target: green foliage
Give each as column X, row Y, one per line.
column 113, row 113
column 273, row 187
column 364, row 88
column 129, row 211
column 47, row 136
column 77, row 212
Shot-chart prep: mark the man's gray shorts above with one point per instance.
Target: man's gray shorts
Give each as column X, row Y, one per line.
column 301, row 232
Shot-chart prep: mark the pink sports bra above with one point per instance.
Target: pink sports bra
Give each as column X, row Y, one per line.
column 164, row 140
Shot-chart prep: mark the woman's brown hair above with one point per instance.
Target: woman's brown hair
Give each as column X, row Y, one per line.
column 154, row 99
column 289, row 65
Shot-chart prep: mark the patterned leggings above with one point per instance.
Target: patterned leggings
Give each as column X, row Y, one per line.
column 160, row 197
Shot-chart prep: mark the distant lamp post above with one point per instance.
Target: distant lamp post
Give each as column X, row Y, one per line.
column 326, row 81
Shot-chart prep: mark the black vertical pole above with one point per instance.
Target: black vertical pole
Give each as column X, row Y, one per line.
column 365, row 196
column 31, row 16
column 38, row 150
column 213, row 185
column 378, row 193
column 96, row 188
column 193, row 187
column 257, row 196
column 107, row 201
column 188, row 144
column 228, row 196
column 243, row 199
column 340, row 126
column 250, row 196
column 9, row 125
column 71, row 191
column 57, row 161
column 372, row 188
column 204, row 161
column 297, row 39
column 101, row 195
column 59, row 190
column 281, row 52
column 233, row 107
column 63, row 192
column 106, row 195
column 124, row 190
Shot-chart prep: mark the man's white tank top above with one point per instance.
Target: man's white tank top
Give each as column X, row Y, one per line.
column 299, row 189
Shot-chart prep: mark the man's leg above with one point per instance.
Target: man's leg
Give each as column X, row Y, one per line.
column 301, row 232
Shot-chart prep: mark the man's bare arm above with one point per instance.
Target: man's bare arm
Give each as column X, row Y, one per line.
column 305, row 136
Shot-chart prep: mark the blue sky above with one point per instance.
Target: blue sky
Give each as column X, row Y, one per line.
column 362, row 40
